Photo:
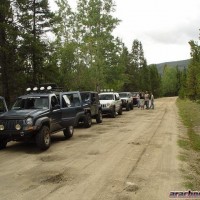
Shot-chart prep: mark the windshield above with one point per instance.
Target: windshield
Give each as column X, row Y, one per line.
column 123, row 95
column 31, row 103
column 106, row 97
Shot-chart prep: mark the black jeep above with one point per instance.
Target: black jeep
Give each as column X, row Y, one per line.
column 92, row 104
column 37, row 115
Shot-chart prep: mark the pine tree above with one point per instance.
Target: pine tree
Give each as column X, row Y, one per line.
column 193, row 74
column 34, row 18
column 8, row 49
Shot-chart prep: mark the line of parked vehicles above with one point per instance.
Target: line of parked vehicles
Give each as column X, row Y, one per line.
column 46, row 110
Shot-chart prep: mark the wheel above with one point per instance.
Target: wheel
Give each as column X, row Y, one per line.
column 131, row 106
column 113, row 113
column 3, row 143
column 43, row 138
column 127, row 107
column 68, row 132
column 87, row 120
column 99, row 117
column 120, row 111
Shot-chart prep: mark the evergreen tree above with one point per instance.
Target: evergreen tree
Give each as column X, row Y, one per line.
column 155, row 80
column 8, row 49
column 137, row 71
column 193, row 74
column 34, row 18
column 169, row 81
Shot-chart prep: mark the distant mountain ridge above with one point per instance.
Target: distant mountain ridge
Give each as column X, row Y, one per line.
column 182, row 64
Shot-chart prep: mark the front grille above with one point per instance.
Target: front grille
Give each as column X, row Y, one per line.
column 103, row 105
column 10, row 124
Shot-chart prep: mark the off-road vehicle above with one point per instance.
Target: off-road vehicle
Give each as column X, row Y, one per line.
column 127, row 101
column 35, row 116
column 110, row 103
column 92, row 104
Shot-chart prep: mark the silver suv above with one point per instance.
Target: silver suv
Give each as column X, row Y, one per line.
column 110, row 103
column 127, row 101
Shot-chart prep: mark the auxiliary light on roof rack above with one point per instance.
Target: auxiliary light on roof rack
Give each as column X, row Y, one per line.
column 106, row 90
column 43, row 89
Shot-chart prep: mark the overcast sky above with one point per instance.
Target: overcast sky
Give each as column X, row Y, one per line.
column 164, row 27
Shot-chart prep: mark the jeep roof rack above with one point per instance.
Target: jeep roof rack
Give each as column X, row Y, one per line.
column 44, row 88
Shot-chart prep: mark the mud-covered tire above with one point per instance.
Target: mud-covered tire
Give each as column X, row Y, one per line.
column 131, row 106
column 87, row 120
column 68, row 132
column 99, row 117
column 3, row 143
column 43, row 138
column 127, row 107
column 113, row 113
column 120, row 111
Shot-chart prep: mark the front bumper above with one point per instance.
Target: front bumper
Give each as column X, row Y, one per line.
column 17, row 135
column 107, row 110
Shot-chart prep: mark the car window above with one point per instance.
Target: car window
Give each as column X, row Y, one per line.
column 106, row 97
column 54, row 101
column 72, row 99
column 123, row 95
column 65, row 101
column 85, row 97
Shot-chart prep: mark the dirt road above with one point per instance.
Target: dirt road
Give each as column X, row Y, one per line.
column 134, row 156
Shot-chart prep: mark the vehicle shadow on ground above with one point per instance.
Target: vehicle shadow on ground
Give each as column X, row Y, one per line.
column 31, row 147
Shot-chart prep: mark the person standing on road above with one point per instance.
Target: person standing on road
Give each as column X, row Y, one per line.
column 142, row 101
column 138, row 99
column 152, row 100
column 146, row 99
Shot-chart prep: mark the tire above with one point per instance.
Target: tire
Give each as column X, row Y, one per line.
column 68, row 132
column 43, row 138
column 99, row 117
column 120, row 111
column 87, row 120
column 127, row 107
column 3, row 143
column 131, row 106
column 113, row 113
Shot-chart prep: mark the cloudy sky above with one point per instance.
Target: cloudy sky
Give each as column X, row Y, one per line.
column 164, row 27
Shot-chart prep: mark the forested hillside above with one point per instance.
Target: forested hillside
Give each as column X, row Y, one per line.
column 181, row 64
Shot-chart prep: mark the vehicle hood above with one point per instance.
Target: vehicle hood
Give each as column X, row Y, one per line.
column 105, row 101
column 22, row 114
column 124, row 98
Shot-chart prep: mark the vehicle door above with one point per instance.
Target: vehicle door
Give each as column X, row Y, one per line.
column 71, row 107
column 56, row 114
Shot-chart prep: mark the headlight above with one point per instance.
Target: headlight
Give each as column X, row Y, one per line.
column 29, row 121
column 18, row 127
column 1, row 127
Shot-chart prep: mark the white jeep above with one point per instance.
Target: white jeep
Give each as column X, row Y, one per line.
column 110, row 103
column 127, row 100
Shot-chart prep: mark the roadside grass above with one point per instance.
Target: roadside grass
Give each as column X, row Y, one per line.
column 190, row 114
